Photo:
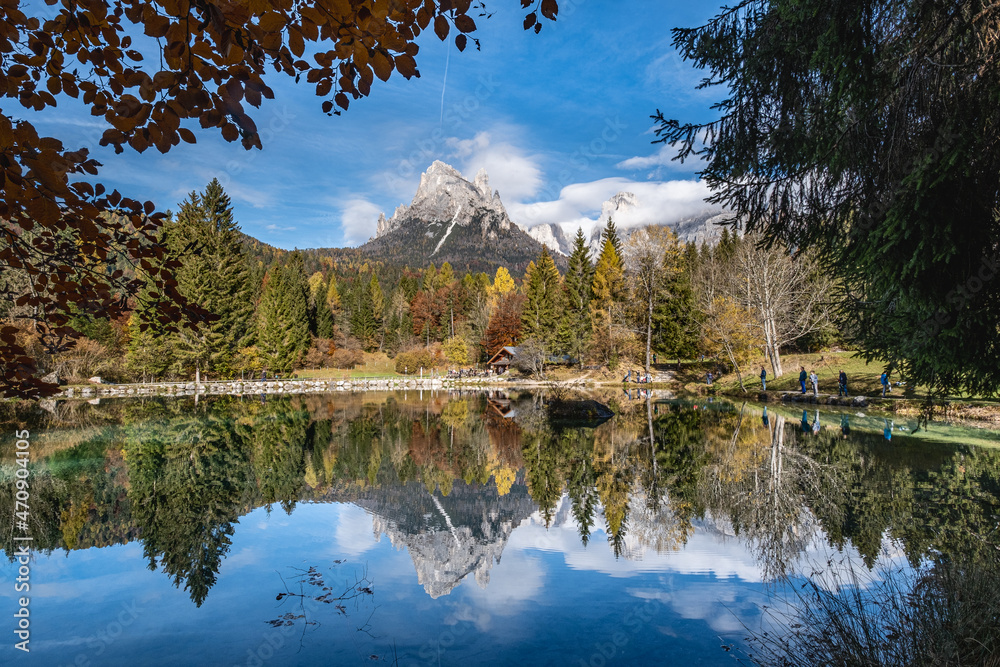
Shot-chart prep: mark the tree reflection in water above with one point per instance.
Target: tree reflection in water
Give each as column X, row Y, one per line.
column 473, row 466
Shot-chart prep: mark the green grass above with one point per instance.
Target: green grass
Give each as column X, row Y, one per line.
column 862, row 377
column 368, row 370
column 375, row 366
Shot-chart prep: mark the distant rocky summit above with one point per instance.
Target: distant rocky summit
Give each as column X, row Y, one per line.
column 699, row 228
column 453, row 220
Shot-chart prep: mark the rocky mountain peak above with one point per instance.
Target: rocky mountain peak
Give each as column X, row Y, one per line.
column 618, row 203
column 452, row 219
column 444, row 195
column 482, row 183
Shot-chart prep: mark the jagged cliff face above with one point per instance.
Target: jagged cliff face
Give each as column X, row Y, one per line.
column 453, row 220
column 552, row 237
column 444, row 196
column 450, row 537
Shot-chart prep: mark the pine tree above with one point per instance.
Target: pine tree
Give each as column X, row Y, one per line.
column 367, row 312
column 283, row 315
column 429, row 282
column 149, row 353
column 574, row 326
column 445, row 277
column 214, row 273
column 676, row 318
column 333, row 295
column 526, row 280
column 320, row 315
column 608, row 296
column 543, row 303
column 323, row 318
column 376, row 302
column 610, row 233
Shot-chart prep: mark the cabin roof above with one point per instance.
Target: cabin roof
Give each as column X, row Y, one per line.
column 503, row 355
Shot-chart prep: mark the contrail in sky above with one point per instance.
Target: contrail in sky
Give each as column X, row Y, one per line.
column 445, row 84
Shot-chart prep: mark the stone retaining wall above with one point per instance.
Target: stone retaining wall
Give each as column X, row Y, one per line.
column 238, row 387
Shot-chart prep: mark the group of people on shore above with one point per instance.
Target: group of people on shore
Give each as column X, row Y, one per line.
column 811, row 377
column 813, row 381
column 639, row 377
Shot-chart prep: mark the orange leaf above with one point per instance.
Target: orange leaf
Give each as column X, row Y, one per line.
column 271, row 22
column 381, row 65
column 406, row 65
column 441, row 27
column 465, row 23
column 295, row 42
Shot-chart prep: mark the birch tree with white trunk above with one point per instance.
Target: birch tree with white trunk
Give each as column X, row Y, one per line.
column 785, row 292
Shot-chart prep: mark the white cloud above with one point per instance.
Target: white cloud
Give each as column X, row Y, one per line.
column 515, row 174
column 660, row 158
column 353, row 531
column 579, row 204
column 358, row 219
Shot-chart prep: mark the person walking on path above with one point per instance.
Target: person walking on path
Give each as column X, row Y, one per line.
column 763, row 379
column 842, row 381
column 885, row 383
column 802, row 378
column 815, row 383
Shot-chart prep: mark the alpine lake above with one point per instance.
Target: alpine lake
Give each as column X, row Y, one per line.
column 460, row 528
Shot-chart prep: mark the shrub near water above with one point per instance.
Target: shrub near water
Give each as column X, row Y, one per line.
column 412, row 360
column 943, row 614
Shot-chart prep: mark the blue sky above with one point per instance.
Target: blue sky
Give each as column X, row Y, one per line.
column 560, row 121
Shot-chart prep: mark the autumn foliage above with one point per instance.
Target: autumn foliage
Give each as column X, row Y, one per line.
column 155, row 72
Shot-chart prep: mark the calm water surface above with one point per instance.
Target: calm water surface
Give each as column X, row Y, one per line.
column 448, row 529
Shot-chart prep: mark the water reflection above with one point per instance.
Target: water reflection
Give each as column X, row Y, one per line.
column 451, row 477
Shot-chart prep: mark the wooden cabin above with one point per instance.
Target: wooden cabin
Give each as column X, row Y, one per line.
column 501, row 361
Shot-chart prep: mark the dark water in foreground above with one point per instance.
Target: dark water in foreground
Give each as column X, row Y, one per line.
column 454, row 529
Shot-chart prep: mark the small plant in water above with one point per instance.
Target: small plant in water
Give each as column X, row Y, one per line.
column 312, row 587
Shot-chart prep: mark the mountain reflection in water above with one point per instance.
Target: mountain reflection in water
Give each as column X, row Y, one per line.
column 451, row 477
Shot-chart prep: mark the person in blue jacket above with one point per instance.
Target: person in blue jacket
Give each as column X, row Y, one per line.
column 763, row 379
column 885, row 383
column 802, row 378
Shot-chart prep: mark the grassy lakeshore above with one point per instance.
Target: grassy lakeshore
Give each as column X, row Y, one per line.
column 689, row 379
